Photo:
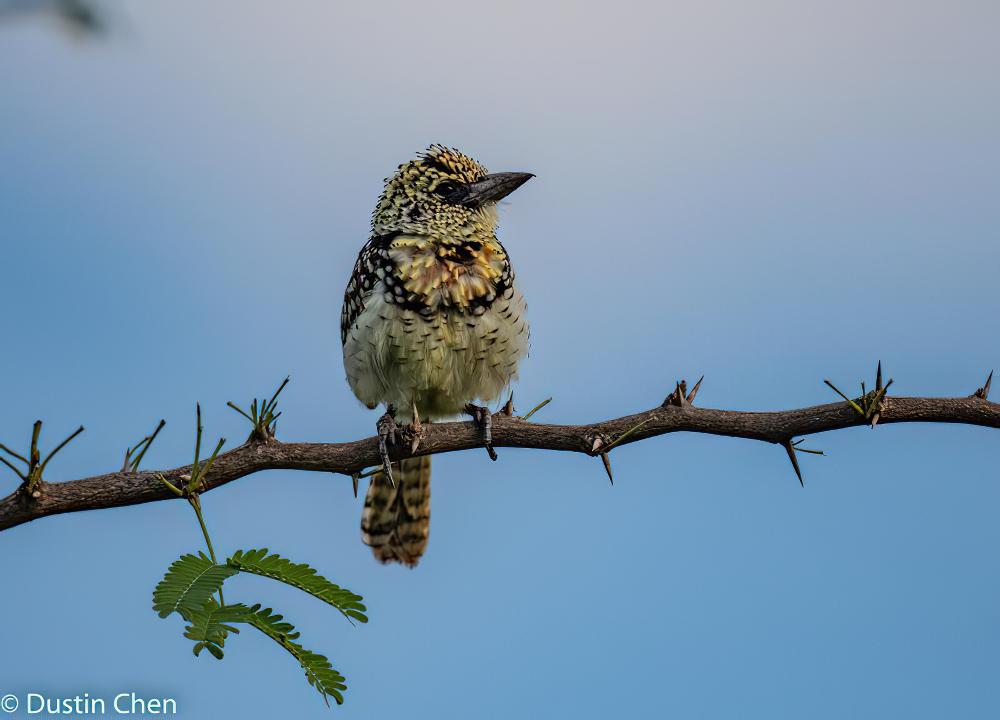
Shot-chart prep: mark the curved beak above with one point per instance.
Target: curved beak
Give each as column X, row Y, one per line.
column 491, row 188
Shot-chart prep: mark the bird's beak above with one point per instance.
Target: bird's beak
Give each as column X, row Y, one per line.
column 491, row 188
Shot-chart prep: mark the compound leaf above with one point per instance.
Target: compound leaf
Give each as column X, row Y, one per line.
column 188, row 584
column 301, row 576
column 210, row 626
column 319, row 672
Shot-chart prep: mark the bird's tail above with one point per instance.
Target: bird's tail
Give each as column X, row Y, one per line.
column 396, row 521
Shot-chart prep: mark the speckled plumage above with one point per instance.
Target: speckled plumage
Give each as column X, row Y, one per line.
column 432, row 319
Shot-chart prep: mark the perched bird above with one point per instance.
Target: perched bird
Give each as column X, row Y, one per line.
column 432, row 323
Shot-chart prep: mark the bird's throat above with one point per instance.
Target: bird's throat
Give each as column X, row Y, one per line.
column 460, row 274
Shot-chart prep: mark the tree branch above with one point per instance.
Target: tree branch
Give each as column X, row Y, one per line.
column 130, row 488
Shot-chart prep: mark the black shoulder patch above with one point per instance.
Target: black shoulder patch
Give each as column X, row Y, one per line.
column 373, row 256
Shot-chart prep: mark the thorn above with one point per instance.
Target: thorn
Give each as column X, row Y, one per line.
column 678, row 397
column 878, row 377
column 415, row 422
column 694, row 390
column 596, row 443
column 607, row 467
column 508, row 408
column 983, row 393
column 416, row 428
column 355, row 477
column 790, row 449
column 879, row 403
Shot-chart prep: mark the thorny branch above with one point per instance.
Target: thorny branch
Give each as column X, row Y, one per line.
column 676, row 414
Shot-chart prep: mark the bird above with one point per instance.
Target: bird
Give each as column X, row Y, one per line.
column 433, row 326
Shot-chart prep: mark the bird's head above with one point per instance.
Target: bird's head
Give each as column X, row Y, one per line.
column 443, row 194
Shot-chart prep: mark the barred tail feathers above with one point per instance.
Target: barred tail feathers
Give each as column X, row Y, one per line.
column 395, row 521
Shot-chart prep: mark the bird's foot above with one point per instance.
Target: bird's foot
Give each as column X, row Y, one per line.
column 387, row 436
column 484, row 419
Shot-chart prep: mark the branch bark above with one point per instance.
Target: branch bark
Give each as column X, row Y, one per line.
column 130, row 488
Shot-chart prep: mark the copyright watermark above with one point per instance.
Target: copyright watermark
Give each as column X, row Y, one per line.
column 124, row 704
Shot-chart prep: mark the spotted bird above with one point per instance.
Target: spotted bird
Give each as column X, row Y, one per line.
column 432, row 323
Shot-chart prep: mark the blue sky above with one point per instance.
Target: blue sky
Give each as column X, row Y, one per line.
column 769, row 194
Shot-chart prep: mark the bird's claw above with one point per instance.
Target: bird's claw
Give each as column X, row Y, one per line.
column 484, row 419
column 387, row 436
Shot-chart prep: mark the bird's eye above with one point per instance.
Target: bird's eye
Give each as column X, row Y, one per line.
column 446, row 189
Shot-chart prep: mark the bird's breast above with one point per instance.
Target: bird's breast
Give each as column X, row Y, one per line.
column 438, row 361
column 464, row 276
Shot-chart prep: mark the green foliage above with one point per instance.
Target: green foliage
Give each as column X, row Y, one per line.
column 262, row 415
column 869, row 404
column 210, row 626
column 188, row 584
column 31, row 476
column 303, row 577
column 319, row 671
column 192, row 581
column 134, row 455
column 192, row 586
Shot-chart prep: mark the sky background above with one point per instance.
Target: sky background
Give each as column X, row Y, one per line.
column 768, row 193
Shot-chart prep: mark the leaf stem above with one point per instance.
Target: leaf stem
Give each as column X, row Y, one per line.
column 133, row 465
column 535, row 409
column 195, row 503
column 59, row 447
